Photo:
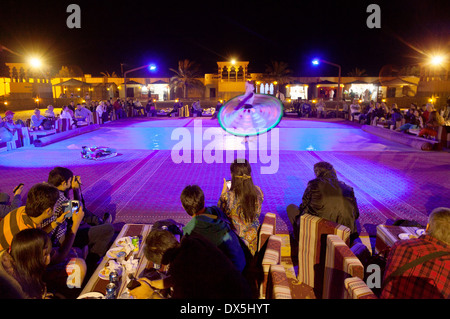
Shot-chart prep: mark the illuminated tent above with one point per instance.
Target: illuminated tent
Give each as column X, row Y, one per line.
column 74, row 86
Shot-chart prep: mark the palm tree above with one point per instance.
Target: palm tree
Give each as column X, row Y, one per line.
column 186, row 76
column 107, row 75
column 280, row 72
column 357, row 72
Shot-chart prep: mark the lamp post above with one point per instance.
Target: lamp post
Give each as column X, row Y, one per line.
column 317, row 61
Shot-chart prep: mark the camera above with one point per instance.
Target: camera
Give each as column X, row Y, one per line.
column 229, row 184
column 71, row 206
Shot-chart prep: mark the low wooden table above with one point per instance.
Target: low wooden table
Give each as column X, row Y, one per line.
column 387, row 236
column 96, row 284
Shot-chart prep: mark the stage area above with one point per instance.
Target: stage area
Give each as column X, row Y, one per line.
column 159, row 157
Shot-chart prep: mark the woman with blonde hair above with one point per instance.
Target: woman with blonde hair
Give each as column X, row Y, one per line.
column 242, row 203
column 432, row 125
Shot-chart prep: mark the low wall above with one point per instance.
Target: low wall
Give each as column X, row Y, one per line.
column 400, row 137
column 43, row 141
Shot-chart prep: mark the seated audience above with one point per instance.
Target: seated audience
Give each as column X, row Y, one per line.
column 67, row 113
column 137, row 105
column 82, row 114
column 320, row 109
column 446, row 111
column 102, row 111
column 415, row 121
column 432, row 125
column 10, row 124
column 109, row 106
column 242, row 203
column 378, row 114
column 39, row 205
column 5, row 206
column 367, row 114
column 176, row 108
column 211, row 223
column 426, row 279
column 396, row 116
column 41, row 200
column 196, row 108
column 355, row 109
column 5, row 134
column 197, row 269
column 150, row 108
column 217, row 110
column 37, row 120
column 428, row 109
column 92, row 231
column 345, row 109
column 328, row 198
column 410, row 113
column 49, row 113
column 118, row 108
column 306, row 109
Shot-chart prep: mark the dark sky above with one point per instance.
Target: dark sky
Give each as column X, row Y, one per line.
column 137, row 32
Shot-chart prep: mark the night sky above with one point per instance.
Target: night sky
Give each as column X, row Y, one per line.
column 139, row 32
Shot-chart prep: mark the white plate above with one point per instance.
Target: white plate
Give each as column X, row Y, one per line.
column 406, row 236
column 92, row 295
column 104, row 273
column 112, row 253
column 124, row 241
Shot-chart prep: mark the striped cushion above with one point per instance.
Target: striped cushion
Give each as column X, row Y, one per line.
column 278, row 283
column 312, row 247
column 267, row 229
column 340, row 263
column 62, row 125
column 27, row 138
column 272, row 256
column 356, row 288
column 96, row 119
column 16, row 141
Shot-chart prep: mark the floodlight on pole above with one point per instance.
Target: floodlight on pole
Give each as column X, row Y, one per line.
column 317, row 62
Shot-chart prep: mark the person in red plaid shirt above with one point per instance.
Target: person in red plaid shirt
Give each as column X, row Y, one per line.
column 428, row 280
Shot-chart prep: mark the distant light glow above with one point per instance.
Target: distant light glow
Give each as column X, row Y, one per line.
column 315, row 62
column 233, row 61
column 437, row 59
column 152, row 67
column 35, row 62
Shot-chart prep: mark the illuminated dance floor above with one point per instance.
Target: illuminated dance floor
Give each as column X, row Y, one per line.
column 159, row 157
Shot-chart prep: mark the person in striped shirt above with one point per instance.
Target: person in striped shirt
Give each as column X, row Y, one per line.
column 41, row 200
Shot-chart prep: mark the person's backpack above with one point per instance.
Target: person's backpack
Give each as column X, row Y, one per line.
column 47, row 124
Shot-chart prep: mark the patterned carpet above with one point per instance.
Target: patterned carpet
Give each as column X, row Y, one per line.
column 143, row 183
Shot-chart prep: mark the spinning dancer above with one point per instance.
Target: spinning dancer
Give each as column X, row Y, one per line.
column 251, row 113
